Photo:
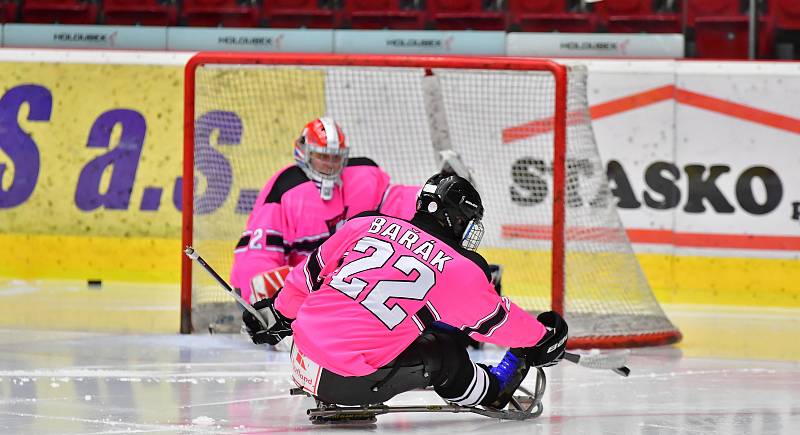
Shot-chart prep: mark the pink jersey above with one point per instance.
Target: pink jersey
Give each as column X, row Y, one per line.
column 289, row 219
column 375, row 285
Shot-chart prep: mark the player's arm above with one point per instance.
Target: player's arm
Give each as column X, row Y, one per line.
column 549, row 350
column 259, row 258
column 301, row 281
column 541, row 340
column 488, row 317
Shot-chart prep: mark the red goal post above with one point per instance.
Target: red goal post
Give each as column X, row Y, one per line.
column 222, row 82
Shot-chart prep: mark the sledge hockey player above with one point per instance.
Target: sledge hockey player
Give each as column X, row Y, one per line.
column 361, row 306
column 305, row 203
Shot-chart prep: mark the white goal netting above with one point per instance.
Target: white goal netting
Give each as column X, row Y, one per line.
column 501, row 124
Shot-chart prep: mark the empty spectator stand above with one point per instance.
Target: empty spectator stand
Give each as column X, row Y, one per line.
column 550, row 16
column 59, row 12
column 140, row 12
column 312, row 14
column 720, row 29
column 786, row 13
column 466, row 14
column 786, row 16
column 383, row 14
column 8, row 11
column 635, row 16
column 226, row 13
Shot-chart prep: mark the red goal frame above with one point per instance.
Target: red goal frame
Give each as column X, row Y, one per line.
column 559, row 124
column 495, row 63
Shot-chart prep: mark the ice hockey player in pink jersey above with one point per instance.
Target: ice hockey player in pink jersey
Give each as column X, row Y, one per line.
column 305, row 203
column 362, row 307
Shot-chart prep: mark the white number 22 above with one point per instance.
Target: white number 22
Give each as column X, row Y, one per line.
column 375, row 301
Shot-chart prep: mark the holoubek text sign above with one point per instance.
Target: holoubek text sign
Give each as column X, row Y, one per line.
column 594, row 45
column 272, row 40
column 419, row 42
column 75, row 36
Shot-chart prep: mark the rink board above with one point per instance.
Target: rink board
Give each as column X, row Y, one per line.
column 70, row 217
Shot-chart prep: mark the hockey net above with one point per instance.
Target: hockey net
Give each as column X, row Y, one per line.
column 521, row 126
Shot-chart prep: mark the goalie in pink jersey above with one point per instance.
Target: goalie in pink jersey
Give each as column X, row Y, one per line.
column 362, row 306
column 305, row 203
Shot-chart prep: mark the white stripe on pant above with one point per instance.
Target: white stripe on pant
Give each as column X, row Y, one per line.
column 476, row 390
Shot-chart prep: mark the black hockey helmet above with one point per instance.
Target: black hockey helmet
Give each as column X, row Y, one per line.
column 456, row 205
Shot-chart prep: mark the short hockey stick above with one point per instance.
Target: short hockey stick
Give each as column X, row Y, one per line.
column 191, row 253
column 614, row 362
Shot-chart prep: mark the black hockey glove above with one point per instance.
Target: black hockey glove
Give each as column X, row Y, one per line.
column 278, row 326
column 550, row 348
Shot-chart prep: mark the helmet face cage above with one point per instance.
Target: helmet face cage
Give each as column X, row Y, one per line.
column 325, row 163
column 472, row 235
column 455, row 203
column 313, row 153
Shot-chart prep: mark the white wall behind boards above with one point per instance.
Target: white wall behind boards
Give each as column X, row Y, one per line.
column 710, row 151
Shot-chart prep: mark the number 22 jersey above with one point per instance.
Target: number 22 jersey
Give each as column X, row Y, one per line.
column 371, row 289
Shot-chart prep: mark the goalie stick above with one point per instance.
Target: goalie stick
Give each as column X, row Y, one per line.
column 191, row 253
column 610, row 361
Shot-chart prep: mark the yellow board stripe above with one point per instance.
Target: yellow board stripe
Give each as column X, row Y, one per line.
column 674, row 279
column 759, row 282
column 141, row 276
column 29, row 256
column 111, row 306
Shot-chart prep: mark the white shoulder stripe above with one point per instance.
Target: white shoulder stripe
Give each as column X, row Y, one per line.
column 319, row 258
column 418, row 323
column 433, row 310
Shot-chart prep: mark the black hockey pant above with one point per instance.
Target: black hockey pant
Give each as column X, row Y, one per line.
column 435, row 358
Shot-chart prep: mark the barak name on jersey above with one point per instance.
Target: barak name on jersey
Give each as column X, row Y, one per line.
column 409, row 238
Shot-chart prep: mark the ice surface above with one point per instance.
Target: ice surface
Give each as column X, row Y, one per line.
column 55, row 382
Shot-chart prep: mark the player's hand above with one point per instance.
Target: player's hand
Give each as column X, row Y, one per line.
column 278, row 326
column 266, row 284
column 550, row 348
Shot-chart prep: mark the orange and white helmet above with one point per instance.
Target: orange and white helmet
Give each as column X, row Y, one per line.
column 321, row 150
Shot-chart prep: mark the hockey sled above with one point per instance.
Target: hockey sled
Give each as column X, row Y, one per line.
column 522, row 407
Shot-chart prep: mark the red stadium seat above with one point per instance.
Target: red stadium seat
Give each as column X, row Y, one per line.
column 711, row 8
column 8, row 11
column 727, row 38
column 312, row 14
column 633, row 16
column 721, row 30
column 465, row 15
column 141, row 12
column 721, row 37
column 786, row 13
column 382, row 14
column 227, row 13
column 59, row 11
column 548, row 16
